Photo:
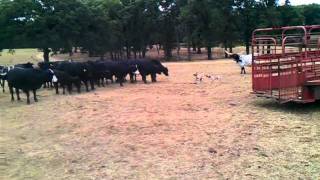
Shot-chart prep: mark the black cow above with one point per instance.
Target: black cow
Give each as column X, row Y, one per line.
column 100, row 71
column 2, row 81
column 4, row 70
column 82, row 70
column 49, row 65
column 27, row 65
column 120, row 69
column 2, row 77
column 65, row 80
column 45, row 66
column 28, row 80
column 151, row 67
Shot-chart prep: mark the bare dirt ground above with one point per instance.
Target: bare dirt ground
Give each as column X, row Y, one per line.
column 173, row 129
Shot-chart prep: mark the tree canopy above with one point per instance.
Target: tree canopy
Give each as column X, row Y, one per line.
column 126, row 28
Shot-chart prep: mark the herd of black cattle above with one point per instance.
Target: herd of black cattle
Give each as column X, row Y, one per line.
column 66, row 74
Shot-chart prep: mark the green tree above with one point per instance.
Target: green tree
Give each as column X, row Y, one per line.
column 311, row 14
column 249, row 18
column 290, row 16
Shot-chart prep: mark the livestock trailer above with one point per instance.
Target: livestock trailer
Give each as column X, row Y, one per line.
column 286, row 63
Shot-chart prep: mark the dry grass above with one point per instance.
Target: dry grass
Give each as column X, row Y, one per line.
column 20, row 56
column 173, row 129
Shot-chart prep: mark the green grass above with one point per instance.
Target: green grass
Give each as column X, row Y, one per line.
column 20, row 56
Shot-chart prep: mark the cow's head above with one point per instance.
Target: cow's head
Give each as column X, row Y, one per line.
column 235, row 57
column 52, row 76
column 165, row 71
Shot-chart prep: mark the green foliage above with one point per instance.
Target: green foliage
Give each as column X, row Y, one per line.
column 123, row 27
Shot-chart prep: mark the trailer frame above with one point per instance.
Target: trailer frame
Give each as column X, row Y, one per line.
column 286, row 63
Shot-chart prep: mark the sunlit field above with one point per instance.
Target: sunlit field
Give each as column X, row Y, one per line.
column 20, row 56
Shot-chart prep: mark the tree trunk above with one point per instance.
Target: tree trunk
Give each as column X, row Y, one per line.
column 158, row 49
column 230, row 47
column 247, row 46
column 209, row 52
column 102, row 57
column 168, row 53
column 189, row 51
column 121, row 54
column 46, row 52
column 199, row 50
column 226, row 49
column 90, row 53
column 128, row 53
column 111, row 55
column 167, row 50
column 144, row 50
column 194, row 47
column 178, row 48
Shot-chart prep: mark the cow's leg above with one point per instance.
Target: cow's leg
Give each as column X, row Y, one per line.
column 121, row 81
column 28, row 96
column 11, row 92
column 69, row 86
column 78, row 88
column 86, row 84
column 102, row 81
column 132, row 78
column 3, row 85
column 154, row 77
column 18, row 94
column 35, row 95
column 56, row 86
column 98, row 82
column 63, row 89
column 144, row 78
column 92, row 84
column 244, row 70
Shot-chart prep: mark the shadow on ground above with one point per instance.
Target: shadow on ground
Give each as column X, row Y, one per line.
column 295, row 108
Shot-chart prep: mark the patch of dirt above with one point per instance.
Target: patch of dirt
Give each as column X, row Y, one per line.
column 173, row 129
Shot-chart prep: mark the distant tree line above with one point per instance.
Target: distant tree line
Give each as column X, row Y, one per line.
column 127, row 28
